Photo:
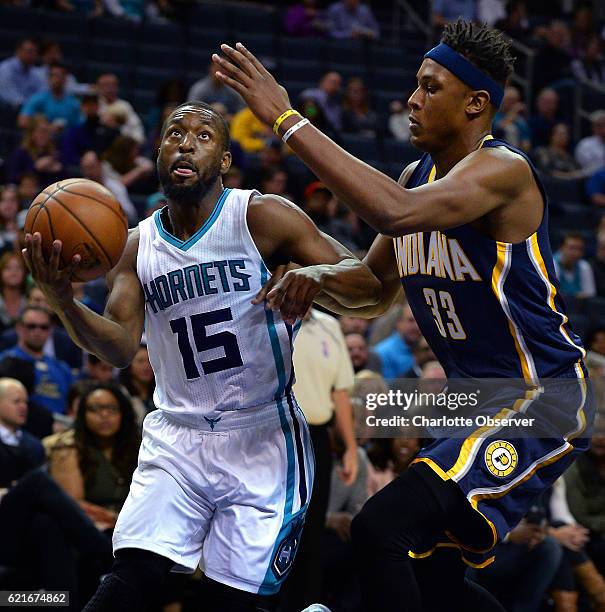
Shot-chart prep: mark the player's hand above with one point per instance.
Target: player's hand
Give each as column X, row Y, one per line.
column 276, row 276
column 245, row 74
column 348, row 472
column 54, row 282
column 295, row 292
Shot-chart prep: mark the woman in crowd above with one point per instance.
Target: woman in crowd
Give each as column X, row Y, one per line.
column 37, row 154
column 139, row 381
column 13, row 284
column 555, row 158
column 9, row 207
column 357, row 116
column 124, row 160
column 95, row 460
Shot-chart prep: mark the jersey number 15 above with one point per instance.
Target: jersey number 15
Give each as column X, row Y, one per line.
column 204, row 342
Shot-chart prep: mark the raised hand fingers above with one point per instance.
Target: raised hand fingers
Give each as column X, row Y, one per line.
column 226, row 69
column 252, row 59
column 55, row 257
column 237, row 57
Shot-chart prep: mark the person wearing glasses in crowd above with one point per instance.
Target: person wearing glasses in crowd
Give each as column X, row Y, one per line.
column 53, row 377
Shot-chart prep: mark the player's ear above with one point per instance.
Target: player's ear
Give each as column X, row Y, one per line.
column 477, row 103
column 226, row 162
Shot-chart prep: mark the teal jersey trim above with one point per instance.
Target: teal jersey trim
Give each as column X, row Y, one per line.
column 186, row 245
column 271, row 583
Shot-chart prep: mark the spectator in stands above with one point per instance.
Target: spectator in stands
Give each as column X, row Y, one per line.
column 210, row 90
column 576, row 566
column 357, row 116
column 574, row 272
column 249, row 132
column 510, row 122
column 275, row 180
column 58, row 345
column 170, row 93
column 590, row 151
column 36, row 154
column 399, row 123
column 97, row 370
column 51, row 54
column 553, row 60
column 304, row 19
column 92, row 168
column 529, row 559
column 123, row 159
column 395, row 352
column 18, row 75
column 138, row 379
column 108, row 87
column 327, row 95
column 312, row 110
column 595, row 344
column 555, row 159
column 389, row 457
column 582, row 29
column 352, row 19
column 515, row 24
column 13, row 282
column 53, row 377
column 94, row 462
column 590, row 66
column 542, row 123
column 585, row 483
column 20, row 451
column 444, row 11
column 422, row 354
column 91, row 134
column 354, row 325
column 9, row 207
column 595, row 188
column 60, row 108
column 361, row 356
column 597, row 263
column 28, row 186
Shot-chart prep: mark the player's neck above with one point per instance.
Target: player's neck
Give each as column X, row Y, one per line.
column 446, row 158
column 185, row 220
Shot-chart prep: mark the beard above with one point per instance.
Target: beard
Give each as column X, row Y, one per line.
column 186, row 194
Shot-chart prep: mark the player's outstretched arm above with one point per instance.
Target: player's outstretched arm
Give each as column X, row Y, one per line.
column 113, row 337
column 283, row 233
column 482, row 182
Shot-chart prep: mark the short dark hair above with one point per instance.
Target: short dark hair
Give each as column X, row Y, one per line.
column 59, row 65
column 220, row 120
column 486, row 48
column 32, row 308
column 573, row 236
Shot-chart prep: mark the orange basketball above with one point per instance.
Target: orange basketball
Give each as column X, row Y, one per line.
column 88, row 220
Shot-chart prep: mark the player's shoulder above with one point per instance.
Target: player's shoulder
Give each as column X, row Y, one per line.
column 270, row 203
column 270, row 211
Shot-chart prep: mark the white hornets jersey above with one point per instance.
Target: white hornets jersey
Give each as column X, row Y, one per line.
column 211, row 349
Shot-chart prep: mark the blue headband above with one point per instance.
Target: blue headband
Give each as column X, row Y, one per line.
column 466, row 72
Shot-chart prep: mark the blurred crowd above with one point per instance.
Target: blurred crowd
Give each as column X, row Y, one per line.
column 81, row 419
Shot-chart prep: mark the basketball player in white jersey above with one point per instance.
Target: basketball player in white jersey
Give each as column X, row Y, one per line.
column 225, row 468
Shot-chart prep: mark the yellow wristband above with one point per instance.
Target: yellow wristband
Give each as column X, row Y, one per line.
column 282, row 118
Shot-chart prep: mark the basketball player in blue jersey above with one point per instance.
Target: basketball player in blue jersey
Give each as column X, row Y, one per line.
column 465, row 233
column 225, row 468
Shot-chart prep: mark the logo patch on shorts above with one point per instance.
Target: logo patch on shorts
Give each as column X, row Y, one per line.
column 501, row 458
column 286, row 551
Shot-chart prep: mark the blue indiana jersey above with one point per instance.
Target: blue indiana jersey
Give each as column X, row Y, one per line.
column 488, row 309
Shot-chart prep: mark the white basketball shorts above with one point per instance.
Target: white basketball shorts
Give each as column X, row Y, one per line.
column 229, row 495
